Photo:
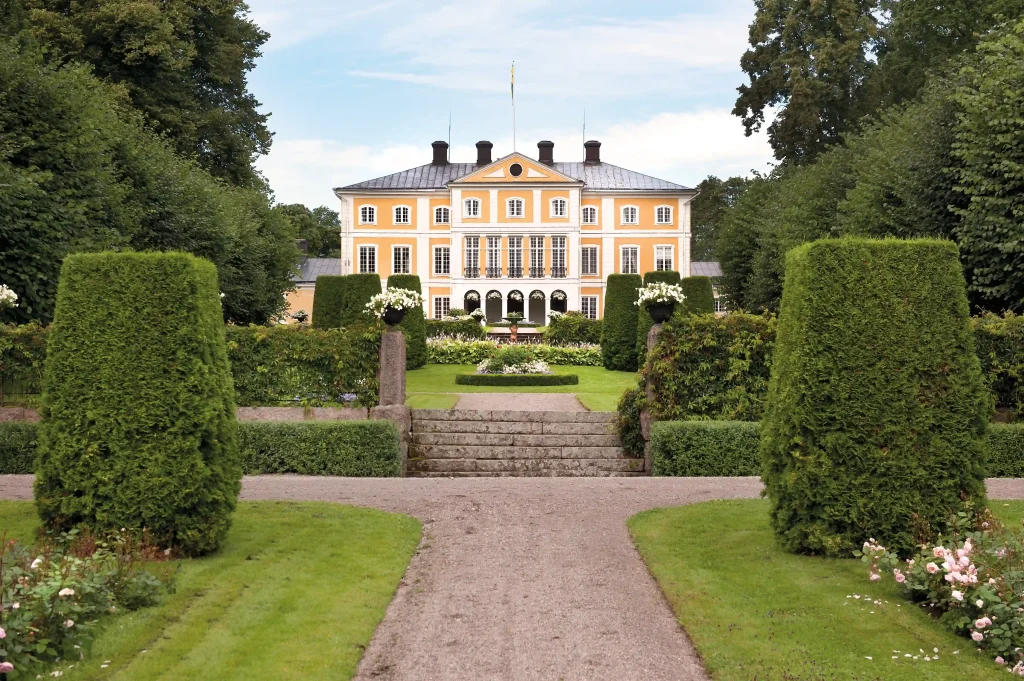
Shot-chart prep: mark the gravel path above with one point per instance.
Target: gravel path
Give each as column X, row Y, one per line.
column 520, row 578
column 519, row 402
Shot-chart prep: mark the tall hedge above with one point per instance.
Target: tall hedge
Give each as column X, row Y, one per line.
column 876, row 412
column 414, row 325
column 138, row 425
column 618, row 330
column 572, row 328
column 700, row 295
column 643, row 319
column 341, row 300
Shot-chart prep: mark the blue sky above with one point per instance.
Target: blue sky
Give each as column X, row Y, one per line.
column 357, row 90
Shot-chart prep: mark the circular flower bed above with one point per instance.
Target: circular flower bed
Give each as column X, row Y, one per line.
column 515, row 365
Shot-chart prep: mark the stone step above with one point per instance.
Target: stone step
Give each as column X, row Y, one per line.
column 513, row 427
column 527, row 474
column 515, row 440
column 523, row 416
column 492, row 452
column 550, row 466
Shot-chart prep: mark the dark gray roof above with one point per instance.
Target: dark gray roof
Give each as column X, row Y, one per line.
column 311, row 268
column 595, row 175
column 705, row 269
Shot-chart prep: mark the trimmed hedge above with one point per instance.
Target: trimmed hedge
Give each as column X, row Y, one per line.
column 414, row 325
column 876, row 413
column 517, row 379
column 469, row 329
column 705, row 448
column 1005, row 450
column 18, row 444
column 618, row 332
column 571, row 328
column 999, row 342
column 347, row 448
column 700, row 295
column 643, row 318
column 291, row 364
column 138, row 409
column 454, row 351
column 340, row 301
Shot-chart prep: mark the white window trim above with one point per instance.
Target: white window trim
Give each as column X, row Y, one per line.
column 622, row 215
column 479, row 209
column 583, row 212
column 508, row 205
column 433, row 305
column 449, row 209
column 551, row 207
column 597, row 260
column 376, row 259
column 597, row 301
column 394, row 215
column 359, row 210
column 622, row 248
column 672, row 254
column 394, row 248
column 671, row 215
column 433, row 266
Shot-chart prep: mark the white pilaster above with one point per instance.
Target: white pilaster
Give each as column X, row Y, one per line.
column 536, row 206
column 456, row 206
column 456, row 253
column 608, row 255
column 347, row 242
column 423, row 219
column 684, row 238
column 492, row 215
column 573, row 246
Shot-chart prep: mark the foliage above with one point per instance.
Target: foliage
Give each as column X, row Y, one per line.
column 808, row 61
column 618, row 331
column 999, row 342
column 295, row 364
column 444, row 350
column 989, row 145
column 875, row 418
column 340, row 301
column 707, row 212
column 737, row 239
column 346, row 448
column 517, row 379
column 138, row 423
column 467, row 328
column 319, row 227
column 700, row 295
column 705, row 448
column 573, row 327
column 628, row 425
column 643, row 319
column 414, row 325
column 513, row 359
column 22, row 357
column 1005, row 451
column 18, row 442
column 54, row 593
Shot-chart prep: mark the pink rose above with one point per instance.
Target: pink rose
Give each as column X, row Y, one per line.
column 977, row 636
column 3, row 634
column 875, row 576
column 932, row 568
column 6, row 667
column 899, row 576
column 1000, row 660
column 957, row 595
column 982, row 623
column 938, row 552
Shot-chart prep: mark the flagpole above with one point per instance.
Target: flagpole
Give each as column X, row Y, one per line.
column 513, row 105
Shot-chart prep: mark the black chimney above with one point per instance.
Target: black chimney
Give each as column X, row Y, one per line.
column 547, row 152
column 593, row 148
column 440, row 153
column 483, row 152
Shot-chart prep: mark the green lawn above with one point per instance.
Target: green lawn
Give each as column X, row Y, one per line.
column 756, row 612
column 295, row 593
column 599, row 389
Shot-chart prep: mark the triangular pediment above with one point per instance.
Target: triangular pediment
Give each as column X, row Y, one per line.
column 502, row 172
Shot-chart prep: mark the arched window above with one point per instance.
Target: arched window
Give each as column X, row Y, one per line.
column 514, row 208
column 590, row 215
column 663, row 215
column 367, row 215
column 559, row 208
column 402, row 215
column 472, row 208
column 630, row 215
column 442, row 215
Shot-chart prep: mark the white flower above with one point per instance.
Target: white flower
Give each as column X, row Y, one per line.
column 8, row 298
column 397, row 298
column 515, row 295
column 66, row 592
column 558, row 295
column 15, row 606
column 537, row 295
column 660, row 292
column 69, row 623
column 494, row 295
column 37, row 562
column 473, row 295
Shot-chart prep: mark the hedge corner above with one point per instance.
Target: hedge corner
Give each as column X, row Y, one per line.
column 340, row 301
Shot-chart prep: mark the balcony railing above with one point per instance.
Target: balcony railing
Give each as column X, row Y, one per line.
column 472, row 273
column 537, row 272
column 493, row 272
column 558, row 272
column 515, row 272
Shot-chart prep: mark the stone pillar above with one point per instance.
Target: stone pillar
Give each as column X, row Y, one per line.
column 392, row 368
column 401, row 416
column 645, row 416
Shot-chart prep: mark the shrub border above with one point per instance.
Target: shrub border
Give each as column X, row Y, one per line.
column 517, row 379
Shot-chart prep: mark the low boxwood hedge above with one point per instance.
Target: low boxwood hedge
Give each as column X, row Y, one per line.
column 1005, row 450
column 517, row 379
column 349, row 448
column 469, row 328
column 705, row 448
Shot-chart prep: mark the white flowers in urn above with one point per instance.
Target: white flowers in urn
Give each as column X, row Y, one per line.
column 558, row 295
column 394, row 298
column 537, row 295
column 660, row 293
column 516, row 295
column 494, row 295
column 477, row 313
column 8, row 298
column 473, row 295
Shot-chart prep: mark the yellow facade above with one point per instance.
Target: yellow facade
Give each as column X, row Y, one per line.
column 385, row 212
column 646, row 209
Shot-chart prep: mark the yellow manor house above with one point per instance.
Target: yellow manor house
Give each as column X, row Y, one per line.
column 515, row 234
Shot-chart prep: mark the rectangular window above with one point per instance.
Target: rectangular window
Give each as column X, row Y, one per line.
column 663, row 258
column 442, row 304
column 442, row 216
column 663, row 215
column 719, row 302
column 401, row 260
column 559, row 208
column 630, row 260
column 367, row 259
column 367, row 215
column 588, row 261
column 515, row 256
column 442, row 260
column 536, row 256
column 558, row 256
column 472, row 208
column 590, row 215
column 588, row 306
column 401, row 215
column 472, row 256
column 515, row 208
column 630, row 215
column 494, row 256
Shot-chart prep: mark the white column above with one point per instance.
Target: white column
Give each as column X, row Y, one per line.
column 456, row 252
column 574, row 253
column 423, row 254
column 684, row 239
column 347, row 241
column 493, row 213
column 456, row 206
column 608, row 255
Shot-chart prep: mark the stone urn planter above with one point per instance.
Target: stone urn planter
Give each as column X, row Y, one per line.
column 393, row 316
column 660, row 311
column 513, row 327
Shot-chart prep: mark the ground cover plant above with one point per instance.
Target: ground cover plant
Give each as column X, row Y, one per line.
column 755, row 611
column 256, row 608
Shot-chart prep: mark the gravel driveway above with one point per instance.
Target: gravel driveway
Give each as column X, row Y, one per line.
column 520, row 578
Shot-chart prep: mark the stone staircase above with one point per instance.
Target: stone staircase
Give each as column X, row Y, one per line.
column 462, row 443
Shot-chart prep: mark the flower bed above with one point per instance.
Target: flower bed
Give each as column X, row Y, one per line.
column 511, row 380
column 450, row 350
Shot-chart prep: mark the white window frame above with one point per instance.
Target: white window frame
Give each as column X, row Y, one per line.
column 394, row 215
column 537, row 251
column 584, row 271
column 471, row 214
column 558, row 252
column 565, row 207
column 622, row 262
column 583, row 215
column 493, row 246
column 448, row 212
column 671, row 257
column 720, row 306
column 522, row 207
column 515, row 253
column 657, row 217
column 622, row 215
column 448, row 269
column 371, row 207
column 394, row 252
column 359, row 258
column 466, row 251
column 592, row 313
column 445, row 309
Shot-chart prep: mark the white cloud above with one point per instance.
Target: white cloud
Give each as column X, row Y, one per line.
column 682, row 147
column 290, row 23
